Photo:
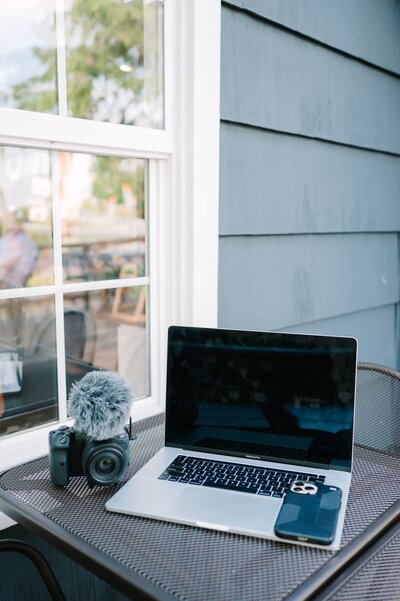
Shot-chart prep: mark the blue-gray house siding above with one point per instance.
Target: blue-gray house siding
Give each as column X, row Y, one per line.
column 310, row 169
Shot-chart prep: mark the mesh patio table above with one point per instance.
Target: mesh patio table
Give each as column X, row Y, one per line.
column 149, row 559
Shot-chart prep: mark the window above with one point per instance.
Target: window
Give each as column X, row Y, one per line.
column 74, row 235
column 74, row 261
column 109, row 184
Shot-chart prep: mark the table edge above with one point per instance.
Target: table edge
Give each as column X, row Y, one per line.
column 127, row 581
column 346, row 556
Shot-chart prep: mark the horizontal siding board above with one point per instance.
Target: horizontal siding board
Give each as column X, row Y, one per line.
column 238, row 3
column 272, row 183
column 367, row 29
column 374, row 329
column 270, row 282
column 273, row 79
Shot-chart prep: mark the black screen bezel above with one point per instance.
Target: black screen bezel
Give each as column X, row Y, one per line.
column 349, row 343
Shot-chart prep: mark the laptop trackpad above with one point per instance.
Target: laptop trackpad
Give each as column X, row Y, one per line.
column 224, row 511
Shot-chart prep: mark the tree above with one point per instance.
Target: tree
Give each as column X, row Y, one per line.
column 101, row 37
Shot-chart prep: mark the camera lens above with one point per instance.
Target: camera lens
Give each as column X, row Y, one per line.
column 105, row 465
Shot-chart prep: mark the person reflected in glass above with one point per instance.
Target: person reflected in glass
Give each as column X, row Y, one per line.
column 18, row 253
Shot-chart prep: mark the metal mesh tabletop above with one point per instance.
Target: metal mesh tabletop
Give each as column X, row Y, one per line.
column 172, row 561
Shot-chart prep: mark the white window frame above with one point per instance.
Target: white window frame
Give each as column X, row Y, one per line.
column 183, row 188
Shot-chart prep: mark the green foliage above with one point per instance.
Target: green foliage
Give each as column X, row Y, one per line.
column 101, row 35
column 39, row 93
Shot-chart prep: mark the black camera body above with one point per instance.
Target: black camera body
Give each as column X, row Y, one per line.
column 71, row 453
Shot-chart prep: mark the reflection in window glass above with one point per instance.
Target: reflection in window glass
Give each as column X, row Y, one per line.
column 26, row 254
column 28, row 55
column 107, row 329
column 114, row 61
column 114, row 56
column 28, row 371
column 103, row 217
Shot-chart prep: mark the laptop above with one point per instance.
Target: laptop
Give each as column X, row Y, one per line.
column 247, row 413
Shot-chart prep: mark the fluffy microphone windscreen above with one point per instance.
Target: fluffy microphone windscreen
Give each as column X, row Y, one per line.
column 100, row 403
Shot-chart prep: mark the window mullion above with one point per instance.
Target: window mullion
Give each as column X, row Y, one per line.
column 58, row 276
column 151, row 270
column 161, row 273
column 61, row 61
column 60, row 346
column 57, row 214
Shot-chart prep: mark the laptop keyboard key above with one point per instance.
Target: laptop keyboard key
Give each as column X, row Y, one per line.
column 175, row 472
column 227, row 486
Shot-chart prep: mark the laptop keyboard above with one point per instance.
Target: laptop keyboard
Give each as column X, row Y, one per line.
column 234, row 476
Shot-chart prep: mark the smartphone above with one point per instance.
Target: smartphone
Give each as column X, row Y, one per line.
column 309, row 513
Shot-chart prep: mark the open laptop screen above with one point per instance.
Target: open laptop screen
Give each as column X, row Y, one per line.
column 263, row 395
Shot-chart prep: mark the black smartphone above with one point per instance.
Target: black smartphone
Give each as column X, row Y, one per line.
column 309, row 513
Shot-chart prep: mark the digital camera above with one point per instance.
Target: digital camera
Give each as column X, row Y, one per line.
column 103, row 462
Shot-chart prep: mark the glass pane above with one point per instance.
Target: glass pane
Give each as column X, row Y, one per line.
column 107, row 329
column 103, row 217
column 26, row 253
column 28, row 55
column 114, row 56
column 28, row 371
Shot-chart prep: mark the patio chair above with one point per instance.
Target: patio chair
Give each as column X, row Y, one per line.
column 43, row 567
column 377, row 421
column 80, row 335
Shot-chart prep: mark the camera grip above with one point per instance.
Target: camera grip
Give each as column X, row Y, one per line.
column 59, row 442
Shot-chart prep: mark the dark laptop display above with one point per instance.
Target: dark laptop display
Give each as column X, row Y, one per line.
column 258, row 395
